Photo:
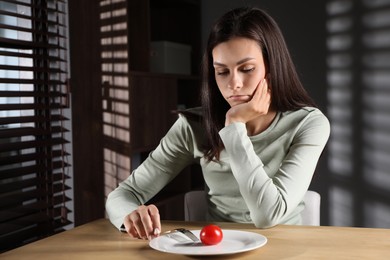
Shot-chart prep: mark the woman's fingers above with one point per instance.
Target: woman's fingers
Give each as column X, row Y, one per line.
column 258, row 91
column 143, row 222
column 136, row 226
column 155, row 218
column 150, row 218
column 133, row 232
column 130, row 227
column 261, row 98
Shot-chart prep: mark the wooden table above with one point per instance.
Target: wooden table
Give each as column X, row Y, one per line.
column 100, row 240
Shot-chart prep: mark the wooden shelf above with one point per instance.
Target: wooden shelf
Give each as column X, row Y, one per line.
column 153, row 96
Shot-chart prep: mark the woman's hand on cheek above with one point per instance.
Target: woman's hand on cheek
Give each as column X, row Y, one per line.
column 257, row 106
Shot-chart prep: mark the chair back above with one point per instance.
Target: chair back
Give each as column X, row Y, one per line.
column 195, row 205
column 311, row 213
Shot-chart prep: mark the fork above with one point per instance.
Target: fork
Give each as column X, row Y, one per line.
column 177, row 234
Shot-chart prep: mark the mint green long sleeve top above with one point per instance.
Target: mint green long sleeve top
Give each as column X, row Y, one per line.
column 259, row 179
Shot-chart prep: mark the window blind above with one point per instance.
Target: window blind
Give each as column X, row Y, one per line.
column 33, row 95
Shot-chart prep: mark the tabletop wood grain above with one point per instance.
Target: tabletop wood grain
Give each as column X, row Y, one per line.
column 101, row 240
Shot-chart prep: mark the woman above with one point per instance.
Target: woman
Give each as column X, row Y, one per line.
column 260, row 140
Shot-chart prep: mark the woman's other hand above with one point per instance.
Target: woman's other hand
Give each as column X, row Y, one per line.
column 144, row 222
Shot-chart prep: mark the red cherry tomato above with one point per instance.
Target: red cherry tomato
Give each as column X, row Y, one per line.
column 211, row 235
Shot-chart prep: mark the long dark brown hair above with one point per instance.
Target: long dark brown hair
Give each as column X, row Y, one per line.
column 287, row 92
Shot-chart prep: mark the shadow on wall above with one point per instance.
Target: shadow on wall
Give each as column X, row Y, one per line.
column 358, row 76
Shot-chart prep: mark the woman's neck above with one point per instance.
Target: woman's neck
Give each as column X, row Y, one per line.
column 259, row 124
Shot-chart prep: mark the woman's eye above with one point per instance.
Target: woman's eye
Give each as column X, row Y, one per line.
column 248, row 69
column 221, row 73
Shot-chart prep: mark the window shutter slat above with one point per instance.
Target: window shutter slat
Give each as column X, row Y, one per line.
column 32, row 69
column 16, row 28
column 24, row 158
column 18, row 132
column 29, row 55
column 31, row 81
column 21, row 44
column 26, row 170
column 29, row 131
column 31, row 106
column 28, row 119
column 31, row 94
column 10, row 201
column 25, row 183
column 14, row 146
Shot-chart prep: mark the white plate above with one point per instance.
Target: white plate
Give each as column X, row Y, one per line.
column 234, row 241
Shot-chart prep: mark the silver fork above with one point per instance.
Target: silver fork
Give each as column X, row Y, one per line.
column 181, row 235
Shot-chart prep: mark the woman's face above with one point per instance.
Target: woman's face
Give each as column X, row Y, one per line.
column 239, row 68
